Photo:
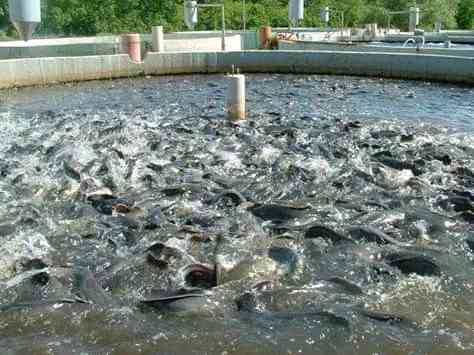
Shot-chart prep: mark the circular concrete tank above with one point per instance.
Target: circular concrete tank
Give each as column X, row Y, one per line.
column 135, row 209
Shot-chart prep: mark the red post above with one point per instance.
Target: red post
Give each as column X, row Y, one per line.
column 265, row 37
column 133, row 45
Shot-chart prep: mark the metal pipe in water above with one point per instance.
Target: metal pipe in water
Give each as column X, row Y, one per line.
column 235, row 101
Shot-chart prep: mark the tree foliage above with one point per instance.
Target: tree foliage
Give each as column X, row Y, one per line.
column 465, row 14
column 90, row 17
column 3, row 13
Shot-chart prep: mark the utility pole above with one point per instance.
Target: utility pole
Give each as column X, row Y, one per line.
column 244, row 15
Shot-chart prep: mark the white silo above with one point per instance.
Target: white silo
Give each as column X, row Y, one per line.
column 25, row 16
column 296, row 11
column 190, row 14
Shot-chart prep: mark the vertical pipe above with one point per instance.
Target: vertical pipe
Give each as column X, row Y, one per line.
column 235, row 102
column 223, row 27
column 411, row 23
column 265, row 37
column 158, row 39
column 342, row 25
column 244, row 15
column 133, row 44
column 414, row 19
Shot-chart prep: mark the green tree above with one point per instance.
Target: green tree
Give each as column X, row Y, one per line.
column 3, row 14
column 465, row 14
column 91, row 17
column 443, row 11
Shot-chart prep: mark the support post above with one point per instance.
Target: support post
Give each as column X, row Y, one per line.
column 133, row 44
column 244, row 16
column 235, row 102
column 223, row 27
column 158, row 43
column 414, row 19
column 265, row 37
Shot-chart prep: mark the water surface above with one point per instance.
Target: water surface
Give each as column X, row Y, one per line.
column 112, row 192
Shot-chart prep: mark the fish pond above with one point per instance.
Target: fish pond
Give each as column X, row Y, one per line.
column 338, row 219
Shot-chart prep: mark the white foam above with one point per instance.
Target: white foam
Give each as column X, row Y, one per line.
column 268, row 154
column 231, row 159
column 20, row 246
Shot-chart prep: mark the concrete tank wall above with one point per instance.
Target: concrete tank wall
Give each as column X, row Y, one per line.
column 174, row 43
column 59, row 47
column 459, row 37
column 90, row 46
column 70, row 50
column 311, row 46
column 40, row 71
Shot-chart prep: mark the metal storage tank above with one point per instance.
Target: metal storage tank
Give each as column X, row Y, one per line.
column 414, row 18
column 324, row 15
column 25, row 16
column 296, row 11
column 190, row 14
